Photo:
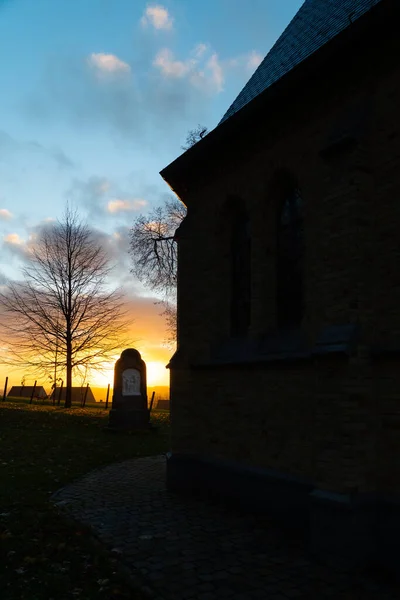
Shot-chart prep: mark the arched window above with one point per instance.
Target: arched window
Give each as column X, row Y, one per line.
column 241, row 274
column 290, row 252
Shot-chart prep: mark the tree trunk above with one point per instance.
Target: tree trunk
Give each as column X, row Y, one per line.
column 68, row 324
column 68, row 389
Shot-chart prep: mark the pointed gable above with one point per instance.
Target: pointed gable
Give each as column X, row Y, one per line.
column 317, row 22
column 25, row 391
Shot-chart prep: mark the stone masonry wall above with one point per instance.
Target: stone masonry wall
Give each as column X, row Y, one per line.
column 334, row 421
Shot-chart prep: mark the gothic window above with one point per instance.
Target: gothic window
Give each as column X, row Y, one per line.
column 241, row 275
column 290, row 251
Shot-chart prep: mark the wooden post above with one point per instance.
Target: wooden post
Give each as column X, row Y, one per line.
column 108, row 393
column 84, row 399
column 54, row 393
column 33, row 392
column 60, row 394
column 151, row 401
column 5, row 389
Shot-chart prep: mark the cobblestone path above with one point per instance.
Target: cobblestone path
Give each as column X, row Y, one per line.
column 184, row 549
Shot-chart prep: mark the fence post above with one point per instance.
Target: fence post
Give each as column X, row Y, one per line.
column 60, row 394
column 151, row 401
column 33, row 392
column 84, row 399
column 5, row 389
column 108, row 393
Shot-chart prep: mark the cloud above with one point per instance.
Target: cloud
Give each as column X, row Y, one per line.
column 11, row 148
column 61, row 158
column 117, row 205
column 107, row 64
column 5, row 214
column 115, row 244
column 131, row 108
column 90, row 194
column 216, row 72
column 164, row 60
column 204, row 69
column 12, row 238
column 157, row 16
column 254, row 60
column 103, row 186
column 102, row 197
column 95, row 186
column 245, row 64
column 199, row 50
column 16, row 246
column 168, row 94
column 202, row 72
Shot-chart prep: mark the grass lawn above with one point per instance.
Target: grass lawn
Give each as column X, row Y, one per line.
column 42, row 448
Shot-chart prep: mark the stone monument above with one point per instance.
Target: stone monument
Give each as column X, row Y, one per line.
column 129, row 409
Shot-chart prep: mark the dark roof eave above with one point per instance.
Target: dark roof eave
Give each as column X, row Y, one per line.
column 214, row 141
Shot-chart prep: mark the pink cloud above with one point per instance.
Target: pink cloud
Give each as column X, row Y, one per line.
column 157, row 16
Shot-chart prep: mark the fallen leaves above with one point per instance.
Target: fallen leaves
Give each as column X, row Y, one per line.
column 5, row 535
column 45, row 557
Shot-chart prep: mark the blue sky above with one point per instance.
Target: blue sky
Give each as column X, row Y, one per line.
column 98, row 95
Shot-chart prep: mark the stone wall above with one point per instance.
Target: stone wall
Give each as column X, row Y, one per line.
column 333, row 420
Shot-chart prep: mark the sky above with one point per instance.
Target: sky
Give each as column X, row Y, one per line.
column 97, row 96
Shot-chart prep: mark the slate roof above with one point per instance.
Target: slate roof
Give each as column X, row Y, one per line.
column 316, row 22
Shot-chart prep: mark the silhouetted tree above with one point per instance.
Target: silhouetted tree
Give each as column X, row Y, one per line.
column 63, row 306
column 153, row 249
column 153, row 246
column 194, row 136
column 153, row 252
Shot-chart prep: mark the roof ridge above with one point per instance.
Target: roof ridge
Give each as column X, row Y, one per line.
column 315, row 23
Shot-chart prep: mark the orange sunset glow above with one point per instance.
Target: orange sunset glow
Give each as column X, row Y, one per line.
column 147, row 334
column 157, row 375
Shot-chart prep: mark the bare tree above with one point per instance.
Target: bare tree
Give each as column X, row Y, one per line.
column 170, row 315
column 152, row 238
column 153, row 246
column 62, row 312
column 154, row 255
column 194, row 136
column 153, row 249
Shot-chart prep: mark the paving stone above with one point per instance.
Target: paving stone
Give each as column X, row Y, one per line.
column 220, row 575
column 189, row 594
column 194, row 551
column 292, row 593
column 206, row 587
column 190, row 581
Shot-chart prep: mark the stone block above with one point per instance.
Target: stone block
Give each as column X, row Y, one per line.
column 343, row 528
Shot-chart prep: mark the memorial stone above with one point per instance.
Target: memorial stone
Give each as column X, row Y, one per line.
column 129, row 409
